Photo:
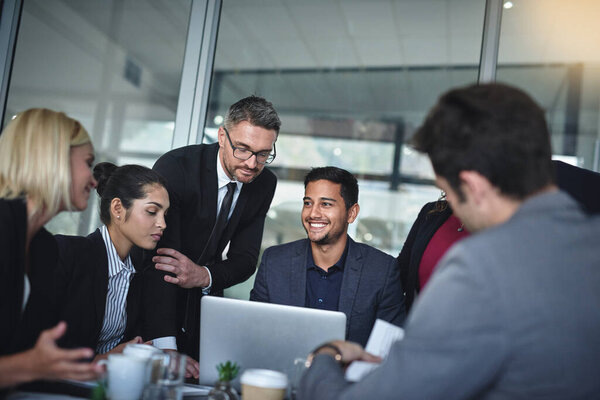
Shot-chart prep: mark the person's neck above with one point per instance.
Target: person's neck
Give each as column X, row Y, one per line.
column 326, row 255
column 506, row 207
column 122, row 245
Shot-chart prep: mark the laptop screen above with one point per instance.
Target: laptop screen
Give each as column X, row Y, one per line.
column 261, row 335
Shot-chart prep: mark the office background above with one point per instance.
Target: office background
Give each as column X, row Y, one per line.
column 351, row 80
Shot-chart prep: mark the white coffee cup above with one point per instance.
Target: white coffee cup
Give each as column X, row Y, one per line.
column 126, row 376
column 141, row 350
column 263, row 384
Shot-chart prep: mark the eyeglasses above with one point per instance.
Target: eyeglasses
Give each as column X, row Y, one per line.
column 262, row 157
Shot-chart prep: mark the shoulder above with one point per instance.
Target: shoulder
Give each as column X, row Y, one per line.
column 12, row 210
column 79, row 244
column 184, row 156
column 266, row 179
column 286, row 249
column 369, row 252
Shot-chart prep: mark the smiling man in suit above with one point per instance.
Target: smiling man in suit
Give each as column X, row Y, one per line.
column 219, row 194
column 329, row 270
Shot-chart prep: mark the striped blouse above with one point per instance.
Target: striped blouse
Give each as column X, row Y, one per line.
column 115, row 314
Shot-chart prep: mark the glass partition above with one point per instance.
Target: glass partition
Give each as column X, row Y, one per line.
column 114, row 65
column 549, row 49
column 351, row 81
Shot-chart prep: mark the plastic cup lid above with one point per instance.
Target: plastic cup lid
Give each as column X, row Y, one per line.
column 264, row 378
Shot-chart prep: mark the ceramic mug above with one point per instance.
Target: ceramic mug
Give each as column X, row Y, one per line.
column 141, row 350
column 126, row 376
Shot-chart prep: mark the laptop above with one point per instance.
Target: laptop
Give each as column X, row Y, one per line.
column 261, row 335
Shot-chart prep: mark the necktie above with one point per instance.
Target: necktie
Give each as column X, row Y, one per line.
column 221, row 221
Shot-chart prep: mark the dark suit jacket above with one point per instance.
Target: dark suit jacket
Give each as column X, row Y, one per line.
column 81, row 287
column 582, row 184
column 192, row 184
column 20, row 330
column 423, row 229
column 371, row 285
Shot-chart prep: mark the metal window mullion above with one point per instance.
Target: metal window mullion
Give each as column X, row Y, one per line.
column 490, row 42
column 196, row 74
column 10, row 15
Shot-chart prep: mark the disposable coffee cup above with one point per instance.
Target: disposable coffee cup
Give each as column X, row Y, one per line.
column 263, row 384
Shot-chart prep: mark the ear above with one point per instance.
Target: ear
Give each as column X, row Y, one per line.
column 117, row 211
column 353, row 213
column 475, row 185
column 221, row 137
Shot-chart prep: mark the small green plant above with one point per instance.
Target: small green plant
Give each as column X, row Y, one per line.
column 227, row 371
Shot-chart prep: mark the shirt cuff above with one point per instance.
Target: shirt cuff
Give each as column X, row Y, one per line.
column 167, row 342
column 206, row 290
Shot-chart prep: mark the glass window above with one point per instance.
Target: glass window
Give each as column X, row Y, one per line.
column 549, row 48
column 351, row 81
column 115, row 66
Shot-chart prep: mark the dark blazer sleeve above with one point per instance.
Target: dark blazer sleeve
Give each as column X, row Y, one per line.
column 80, row 290
column 260, row 291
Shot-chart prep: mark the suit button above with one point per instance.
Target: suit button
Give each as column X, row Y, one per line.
column 320, row 300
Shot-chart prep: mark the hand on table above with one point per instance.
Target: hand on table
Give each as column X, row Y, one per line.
column 192, row 368
column 187, row 273
column 351, row 352
column 48, row 361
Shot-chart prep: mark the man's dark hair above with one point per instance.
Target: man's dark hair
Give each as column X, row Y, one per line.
column 493, row 129
column 349, row 184
column 255, row 110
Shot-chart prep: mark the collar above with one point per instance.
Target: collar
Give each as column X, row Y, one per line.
column 222, row 178
column 115, row 265
column 310, row 262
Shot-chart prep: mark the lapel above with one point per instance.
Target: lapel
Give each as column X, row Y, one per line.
column 297, row 270
column 352, row 273
column 100, row 271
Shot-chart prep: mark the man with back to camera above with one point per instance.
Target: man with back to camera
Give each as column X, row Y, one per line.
column 219, row 193
column 329, row 270
column 512, row 311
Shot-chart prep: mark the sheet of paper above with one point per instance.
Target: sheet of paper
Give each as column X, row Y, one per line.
column 196, row 390
column 380, row 341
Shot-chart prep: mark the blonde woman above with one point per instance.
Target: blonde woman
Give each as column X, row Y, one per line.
column 45, row 160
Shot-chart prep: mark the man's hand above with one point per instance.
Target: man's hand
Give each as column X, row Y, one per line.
column 48, row 361
column 192, row 368
column 187, row 273
column 351, row 352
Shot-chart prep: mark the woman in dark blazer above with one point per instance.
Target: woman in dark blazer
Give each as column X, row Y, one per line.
column 99, row 289
column 45, row 160
column 431, row 218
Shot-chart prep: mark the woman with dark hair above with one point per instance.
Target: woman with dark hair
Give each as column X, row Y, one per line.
column 434, row 231
column 99, row 289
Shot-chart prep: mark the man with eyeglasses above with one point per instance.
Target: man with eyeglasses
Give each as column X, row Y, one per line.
column 220, row 193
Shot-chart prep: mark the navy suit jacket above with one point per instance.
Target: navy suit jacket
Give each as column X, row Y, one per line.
column 371, row 285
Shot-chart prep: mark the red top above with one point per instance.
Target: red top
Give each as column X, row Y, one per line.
column 450, row 232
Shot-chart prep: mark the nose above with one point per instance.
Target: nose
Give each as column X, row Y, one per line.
column 315, row 212
column 251, row 162
column 94, row 182
column 161, row 223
